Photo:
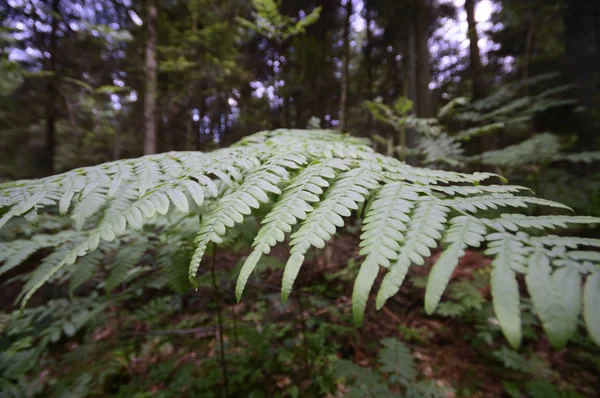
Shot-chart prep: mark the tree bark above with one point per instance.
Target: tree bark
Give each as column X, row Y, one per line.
column 345, row 70
column 409, row 72
column 117, row 143
column 151, row 78
column 47, row 158
column 579, row 18
column 369, row 64
column 479, row 90
column 423, row 72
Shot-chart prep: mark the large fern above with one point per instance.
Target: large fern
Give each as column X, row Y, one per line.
column 309, row 181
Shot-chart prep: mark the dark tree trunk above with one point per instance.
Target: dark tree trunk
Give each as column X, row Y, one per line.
column 479, row 90
column 369, row 64
column 47, row 157
column 423, row 78
column 345, row 70
column 580, row 18
column 151, row 79
column 117, row 143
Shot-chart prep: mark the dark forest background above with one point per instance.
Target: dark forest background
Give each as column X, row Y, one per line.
column 85, row 81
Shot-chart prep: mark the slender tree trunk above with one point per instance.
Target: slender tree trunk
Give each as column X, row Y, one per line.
column 579, row 19
column 422, row 58
column 528, row 51
column 345, row 70
column 487, row 142
column 369, row 63
column 151, row 79
column 474, row 55
column 47, row 158
column 409, row 69
column 117, row 143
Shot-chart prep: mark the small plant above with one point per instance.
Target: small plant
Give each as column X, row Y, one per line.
column 397, row 373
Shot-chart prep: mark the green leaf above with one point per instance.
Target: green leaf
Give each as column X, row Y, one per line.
column 591, row 304
column 440, row 275
column 505, row 292
column 292, row 268
column 362, row 287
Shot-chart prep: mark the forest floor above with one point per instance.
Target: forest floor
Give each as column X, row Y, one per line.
column 446, row 349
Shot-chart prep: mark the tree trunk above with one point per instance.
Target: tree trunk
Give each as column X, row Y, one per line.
column 151, row 79
column 579, row 18
column 409, row 72
column 479, row 90
column 47, row 158
column 345, row 70
column 423, row 96
column 369, row 64
column 528, row 50
column 117, row 143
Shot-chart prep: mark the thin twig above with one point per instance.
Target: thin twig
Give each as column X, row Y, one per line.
column 219, row 320
column 304, row 338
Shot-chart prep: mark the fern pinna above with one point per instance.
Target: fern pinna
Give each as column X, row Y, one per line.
column 309, row 181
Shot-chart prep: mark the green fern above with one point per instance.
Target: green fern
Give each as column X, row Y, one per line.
column 308, row 182
column 397, row 368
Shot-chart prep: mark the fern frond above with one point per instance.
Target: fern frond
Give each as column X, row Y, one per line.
column 291, row 206
column 591, row 303
column 349, row 189
column 397, row 361
column 14, row 253
column 463, row 232
column 510, row 257
column 580, row 157
column 515, row 222
column 566, row 241
column 313, row 179
column 232, row 208
column 127, row 258
column 540, row 148
column 475, row 203
column 85, row 269
column 556, row 297
column 424, row 230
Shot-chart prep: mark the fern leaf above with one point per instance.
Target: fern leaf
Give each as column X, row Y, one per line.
column 566, row 241
column 556, row 298
column 514, row 222
column 510, row 255
column 381, row 237
column 148, row 172
column 297, row 172
column 23, row 201
column 427, row 221
column 475, row 203
column 350, row 188
column 126, row 259
column 397, row 361
column 591, row 303
column 290, row 206
column 121, row 171
column 463, row 232
column 233, row 207
column 71, row 183
column 84, row 270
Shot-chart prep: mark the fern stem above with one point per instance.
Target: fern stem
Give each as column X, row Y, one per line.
column 219, row 320
column 235, row 328
column 304, row 338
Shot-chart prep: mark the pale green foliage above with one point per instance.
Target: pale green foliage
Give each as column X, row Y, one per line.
column 395, row 115
column 308, row 181
column 540, row 149
column 270, row 23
